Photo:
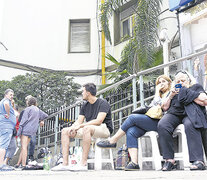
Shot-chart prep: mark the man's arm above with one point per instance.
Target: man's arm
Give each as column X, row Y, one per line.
column 98, row 121
column 7, row 108
column 79, row 121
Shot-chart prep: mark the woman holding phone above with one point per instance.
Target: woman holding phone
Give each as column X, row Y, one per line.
column 184, row 105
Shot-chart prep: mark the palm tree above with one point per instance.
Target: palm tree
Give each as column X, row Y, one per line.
column 138, row 53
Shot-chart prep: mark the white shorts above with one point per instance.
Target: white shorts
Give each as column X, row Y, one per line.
column 100, row 132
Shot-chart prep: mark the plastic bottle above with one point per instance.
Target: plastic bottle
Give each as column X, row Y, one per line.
column 47, row 161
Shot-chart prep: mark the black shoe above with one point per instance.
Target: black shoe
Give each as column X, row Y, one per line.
column 106, row 144
column 132, row 167
column 168, row 166
column 31, row 158
column 197, row 165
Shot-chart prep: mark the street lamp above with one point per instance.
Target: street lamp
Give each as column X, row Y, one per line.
column 165, row 44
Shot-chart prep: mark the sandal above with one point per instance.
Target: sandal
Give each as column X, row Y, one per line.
column 168, row 166
column 197, row 165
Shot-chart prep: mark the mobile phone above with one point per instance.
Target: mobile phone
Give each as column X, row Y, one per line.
column 178, row 86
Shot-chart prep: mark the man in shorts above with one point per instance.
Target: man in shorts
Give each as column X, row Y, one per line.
column 98, row 124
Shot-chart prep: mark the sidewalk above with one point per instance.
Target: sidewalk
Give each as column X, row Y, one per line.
column 102, row 175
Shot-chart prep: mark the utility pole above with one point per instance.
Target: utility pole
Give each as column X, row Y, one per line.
column 103, row 54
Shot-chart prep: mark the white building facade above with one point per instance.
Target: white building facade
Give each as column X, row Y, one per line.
column 65, row 34
column 54, row 34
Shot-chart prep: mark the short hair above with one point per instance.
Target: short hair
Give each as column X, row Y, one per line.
column 191, row 79
column 90, row 87
column 7, row 91
column 32, row 101
column 28, row 97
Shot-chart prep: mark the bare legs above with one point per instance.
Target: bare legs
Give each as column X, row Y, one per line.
column 23, row 154
column 2, row 154
column 134, row 154
column 65, row 141
column 88, row 131
column 117, row 136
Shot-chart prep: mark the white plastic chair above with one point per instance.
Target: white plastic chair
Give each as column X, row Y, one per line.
column 98, row 159
column 155, row 158
column 182, row 155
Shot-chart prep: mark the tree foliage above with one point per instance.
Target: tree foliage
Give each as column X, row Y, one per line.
column 139, row 52
column 51, row 89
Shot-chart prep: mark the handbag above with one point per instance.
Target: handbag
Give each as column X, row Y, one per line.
column 155, row 112
column 140, row 110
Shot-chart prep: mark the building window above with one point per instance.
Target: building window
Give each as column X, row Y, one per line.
column 79, row 38
column 126, row 28
column 124, row 22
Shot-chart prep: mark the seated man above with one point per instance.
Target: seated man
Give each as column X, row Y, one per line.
column 97, row 113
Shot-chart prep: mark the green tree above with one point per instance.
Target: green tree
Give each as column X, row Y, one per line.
column 51, row 89
column 138, row 54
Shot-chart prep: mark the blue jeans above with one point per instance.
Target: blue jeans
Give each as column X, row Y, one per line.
column 32, row 145
column 5, row 138
column 135, row 126
column 11, row 148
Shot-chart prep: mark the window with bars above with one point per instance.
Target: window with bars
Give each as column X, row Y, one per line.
column 79, row 36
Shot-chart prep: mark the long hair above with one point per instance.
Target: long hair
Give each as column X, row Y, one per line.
column 167, row 79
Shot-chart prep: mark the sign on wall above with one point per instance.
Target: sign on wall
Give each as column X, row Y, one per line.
column 176, row 4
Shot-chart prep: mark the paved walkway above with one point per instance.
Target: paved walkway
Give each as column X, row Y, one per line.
column 102, row 175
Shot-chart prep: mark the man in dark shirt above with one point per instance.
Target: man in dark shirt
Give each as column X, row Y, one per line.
column 98, row 124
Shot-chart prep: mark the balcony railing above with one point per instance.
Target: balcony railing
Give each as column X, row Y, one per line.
column 140, row 90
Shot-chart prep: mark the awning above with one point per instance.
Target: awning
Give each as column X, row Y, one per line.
column 27, row 67
column 176, row 4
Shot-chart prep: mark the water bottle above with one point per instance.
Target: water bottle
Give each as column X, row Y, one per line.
column 47, row 161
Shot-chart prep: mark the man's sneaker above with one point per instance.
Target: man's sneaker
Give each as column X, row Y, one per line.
column 60, row 167
column 106, row 144
column 79, row 167
column 6, row 168
column 32, row 163
column 132, row 167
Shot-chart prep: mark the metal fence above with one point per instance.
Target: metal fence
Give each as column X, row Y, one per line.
column 122, row 100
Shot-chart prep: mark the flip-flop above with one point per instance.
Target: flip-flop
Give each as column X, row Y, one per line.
column 197, row 165
column 168, row 166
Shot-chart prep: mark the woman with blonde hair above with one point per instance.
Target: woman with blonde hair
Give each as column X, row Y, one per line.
column 136, row 125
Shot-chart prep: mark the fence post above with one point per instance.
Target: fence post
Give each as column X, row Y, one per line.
column 38, row 138
column 141, row 88
column 56, row 132
column 134, row 92
column 120, row 118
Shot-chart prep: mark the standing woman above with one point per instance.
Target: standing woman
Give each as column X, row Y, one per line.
column 184, row 106
column 7, row 124
column 136, row 125
column 28, row 127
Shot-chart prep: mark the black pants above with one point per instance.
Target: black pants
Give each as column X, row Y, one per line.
column 166, row 127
